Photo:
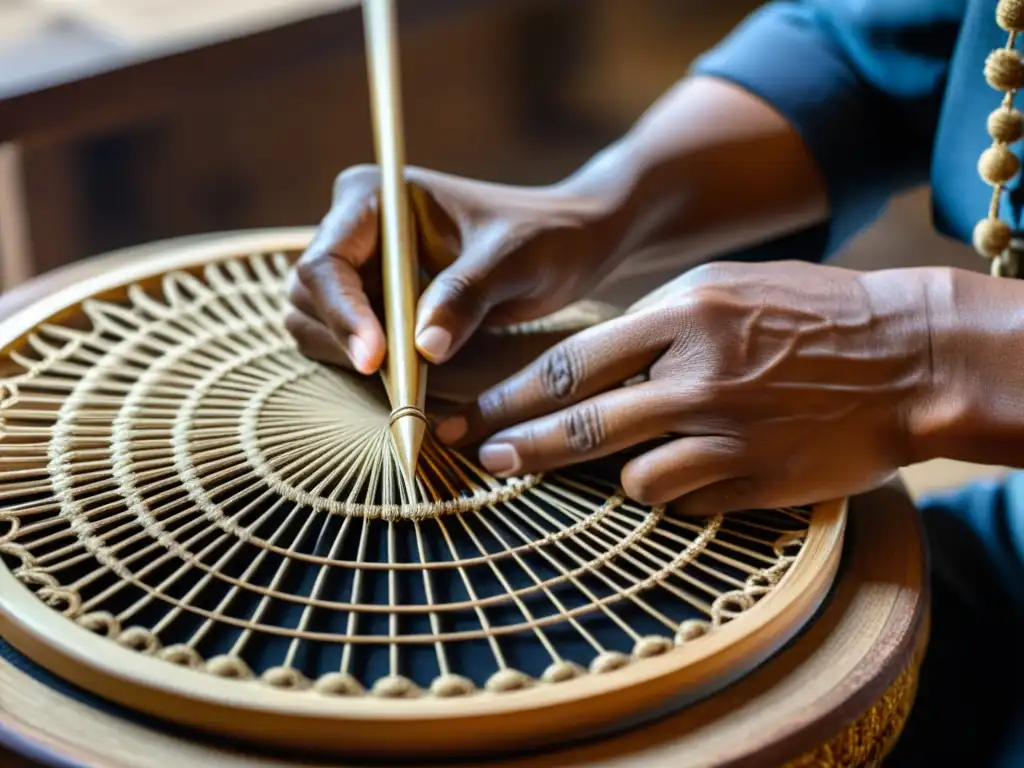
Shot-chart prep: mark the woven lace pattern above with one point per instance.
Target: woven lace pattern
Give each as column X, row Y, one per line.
column 179, row 479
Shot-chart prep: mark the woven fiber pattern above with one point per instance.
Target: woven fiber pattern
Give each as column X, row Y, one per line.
column 179, row 479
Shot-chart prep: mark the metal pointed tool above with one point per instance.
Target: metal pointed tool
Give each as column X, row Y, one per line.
column 406, row 370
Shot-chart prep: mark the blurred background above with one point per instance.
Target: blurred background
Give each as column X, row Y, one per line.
column 519, row 91
column 126, row 121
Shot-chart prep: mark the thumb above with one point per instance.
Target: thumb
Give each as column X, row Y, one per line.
column 461, row 296
column 450, row 310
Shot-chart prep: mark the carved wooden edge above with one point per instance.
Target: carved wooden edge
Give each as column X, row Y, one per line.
column 868, row 633
column 537, row 717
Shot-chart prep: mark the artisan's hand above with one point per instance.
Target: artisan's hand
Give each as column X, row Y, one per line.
column 777, row 384
column 498, row 254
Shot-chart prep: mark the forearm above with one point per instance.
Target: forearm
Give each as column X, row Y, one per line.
column 708, row 169
column 855, row 88
column 975, row 411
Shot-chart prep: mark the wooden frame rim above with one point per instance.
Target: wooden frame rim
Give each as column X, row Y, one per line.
column 872, row 627
column 249, row 710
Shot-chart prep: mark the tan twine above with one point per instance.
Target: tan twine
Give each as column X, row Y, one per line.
column 998, row 165
column 180, row 431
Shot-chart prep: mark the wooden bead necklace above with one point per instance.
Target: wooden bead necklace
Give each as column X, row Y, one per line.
column 1004, row 71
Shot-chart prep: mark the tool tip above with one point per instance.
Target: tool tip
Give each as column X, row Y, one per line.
column 408, row 432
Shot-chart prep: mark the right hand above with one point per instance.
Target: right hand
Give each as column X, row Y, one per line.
column 497, row 255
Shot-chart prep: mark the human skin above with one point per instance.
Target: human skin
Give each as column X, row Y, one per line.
column 765, row 385
column 708, row 168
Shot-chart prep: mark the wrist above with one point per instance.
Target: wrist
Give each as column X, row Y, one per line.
column 608, row 183
column 707, row 170
column 973, row 411
column 906, row 374
column 931, row 408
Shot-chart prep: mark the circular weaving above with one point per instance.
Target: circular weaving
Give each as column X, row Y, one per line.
column 201, row 523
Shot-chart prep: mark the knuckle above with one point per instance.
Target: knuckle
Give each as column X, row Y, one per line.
column 641, row 486
column 696, row 329
column 561, row 371
column 360, row 179
column 494, row 404
column 306, row 270
column 295, row 324
column 733, row 494
column 726, row 446
column 456, row 288
column 699, row 302
column 584, row 429
column 681, row 318
column 711, row 273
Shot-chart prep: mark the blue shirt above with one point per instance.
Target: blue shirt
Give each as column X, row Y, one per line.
column 887, row 94
column 890, row 94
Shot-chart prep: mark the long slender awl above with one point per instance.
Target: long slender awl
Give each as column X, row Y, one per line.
column 406, row 371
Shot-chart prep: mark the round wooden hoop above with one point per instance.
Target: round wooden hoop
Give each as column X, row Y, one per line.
column 651, row 687
column 872, row 629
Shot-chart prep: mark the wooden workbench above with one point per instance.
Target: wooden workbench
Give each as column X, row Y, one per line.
column 73, row 68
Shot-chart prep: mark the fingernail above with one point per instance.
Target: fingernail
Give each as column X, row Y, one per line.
column 500, row 459
column 451, row 429
column 434, row 342
column 358, row 351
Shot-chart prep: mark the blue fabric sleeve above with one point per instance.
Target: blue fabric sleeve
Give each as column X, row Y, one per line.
column 862, row 82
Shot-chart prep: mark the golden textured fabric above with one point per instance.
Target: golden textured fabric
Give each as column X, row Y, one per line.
column 866, row 741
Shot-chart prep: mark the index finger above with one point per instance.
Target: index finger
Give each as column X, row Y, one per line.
column 571, row 371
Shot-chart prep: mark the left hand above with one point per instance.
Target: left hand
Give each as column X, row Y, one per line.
column 780, row 385
column 493, row 354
